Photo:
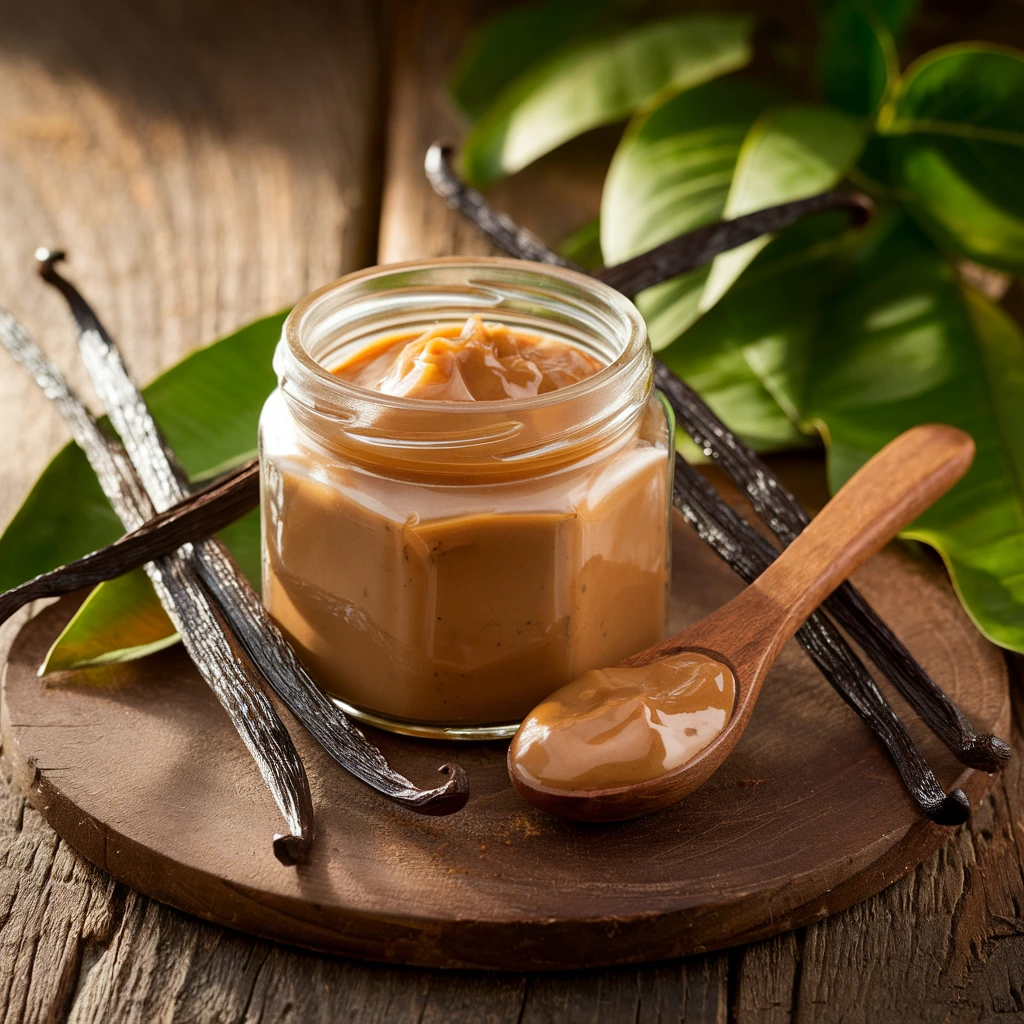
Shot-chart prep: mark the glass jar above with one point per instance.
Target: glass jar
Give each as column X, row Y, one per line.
column 441, row 567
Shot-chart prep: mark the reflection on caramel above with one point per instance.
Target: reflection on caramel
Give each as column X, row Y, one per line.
column 479, row 363
column 618, row 726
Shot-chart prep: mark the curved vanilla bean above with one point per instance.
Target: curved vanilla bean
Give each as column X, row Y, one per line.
column 749, row 554
column 259, row 635
column 201, row 514
column 209, row 642
column 699, row 247
column 665, row 261
column 981, row 751
column 501, row 229
column 786, row 517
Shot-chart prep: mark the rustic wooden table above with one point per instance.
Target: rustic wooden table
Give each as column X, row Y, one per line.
column 206, row 163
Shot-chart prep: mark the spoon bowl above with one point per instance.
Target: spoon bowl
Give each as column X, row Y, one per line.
column 624, row 727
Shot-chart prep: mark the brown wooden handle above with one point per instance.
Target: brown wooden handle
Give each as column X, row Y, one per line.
column 886, row 494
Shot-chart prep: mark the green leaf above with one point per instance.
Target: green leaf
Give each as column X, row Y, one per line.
column 790, row 153
column 584, row 246
column 513, row 41
column 864, row 339
column 957, row 126
column 242, row 538
column 670, row 174
column 120, row 621
column 893, row 15
column 208, row 407
column 64, row 517
column 857, row 60
column 600, row 81
column 746, row 357
column 873, row 170
column 907, row 343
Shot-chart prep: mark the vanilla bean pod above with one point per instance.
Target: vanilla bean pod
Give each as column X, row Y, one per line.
column 209, row 642
column 676, row 256
column 499, row 227
column 737, row 543
column 200, row 515
column 699, row 247
column 982, row 751
column 786, row 517
column 266, row 646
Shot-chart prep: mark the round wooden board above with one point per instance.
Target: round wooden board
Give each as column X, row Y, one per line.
column 140, row 771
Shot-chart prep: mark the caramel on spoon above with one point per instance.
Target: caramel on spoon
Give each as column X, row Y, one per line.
column 623, row 741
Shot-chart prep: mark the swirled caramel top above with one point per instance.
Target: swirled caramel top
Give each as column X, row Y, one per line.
column 479, row 362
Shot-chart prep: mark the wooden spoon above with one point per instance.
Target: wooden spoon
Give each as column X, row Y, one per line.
column 746, row 634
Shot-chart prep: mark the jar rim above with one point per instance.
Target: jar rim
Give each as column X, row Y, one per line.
column 330, row 390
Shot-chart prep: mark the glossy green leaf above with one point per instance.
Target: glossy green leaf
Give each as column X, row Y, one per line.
column 957, row 126
column 208, row 407
column 790, row 153
column 670, row 174
column 857, row 60
column 513, row 41
column 893, row 15
column 868, row 341
column 583, row 246
column 908, row 343
column 120, row 621
column 747, row 355
column 873, row 171
column 600, row 81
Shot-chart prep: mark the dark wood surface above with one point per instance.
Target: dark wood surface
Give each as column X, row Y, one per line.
column 136, row 768
column 209, row 162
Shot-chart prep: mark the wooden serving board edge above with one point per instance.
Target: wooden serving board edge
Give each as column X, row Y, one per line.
column 541, row 945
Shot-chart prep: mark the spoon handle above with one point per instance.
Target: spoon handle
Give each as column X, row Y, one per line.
column 885, row 495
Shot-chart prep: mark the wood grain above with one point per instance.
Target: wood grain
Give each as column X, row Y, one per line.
column 136, row 768
column 945, row 943
column 202, row 164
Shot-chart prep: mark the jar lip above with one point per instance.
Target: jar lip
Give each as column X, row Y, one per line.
column 332, row 388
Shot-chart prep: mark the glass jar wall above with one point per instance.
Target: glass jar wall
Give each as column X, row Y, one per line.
column 441, row 567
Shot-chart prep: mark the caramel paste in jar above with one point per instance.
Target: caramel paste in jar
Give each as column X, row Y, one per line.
column 462, row 600
column 618, row 726
column 477, row 363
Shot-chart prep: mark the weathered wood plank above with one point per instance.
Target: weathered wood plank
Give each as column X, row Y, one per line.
column 206, row 168
column 425, row 41
column 55, row 911
column 691, row 990
column 949, row 941
column 204, row 164
column 945, row 943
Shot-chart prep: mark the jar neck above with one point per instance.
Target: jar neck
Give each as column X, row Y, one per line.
column 457, row 441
